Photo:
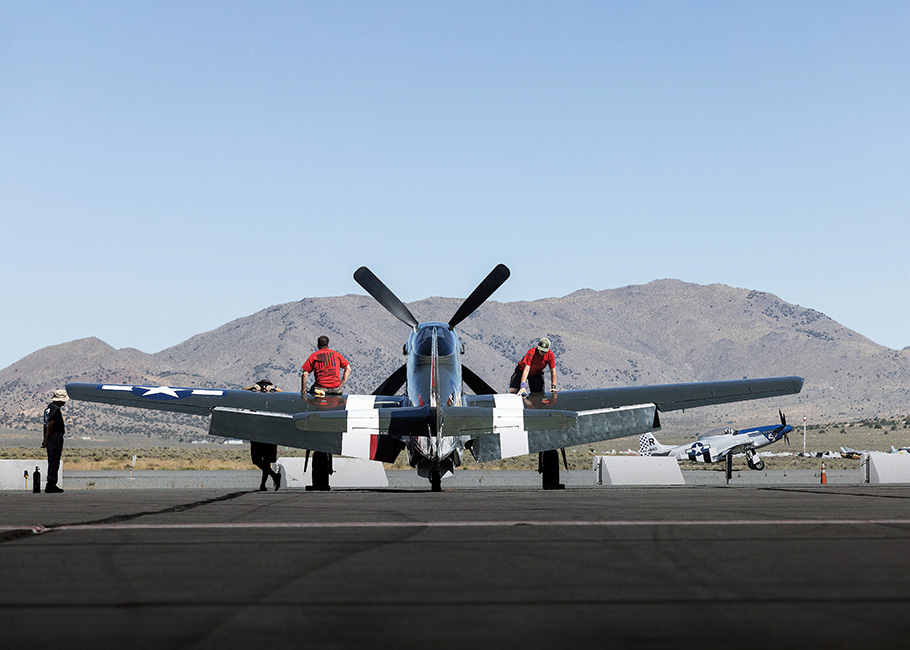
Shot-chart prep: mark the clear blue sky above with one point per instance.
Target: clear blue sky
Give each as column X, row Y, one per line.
column 166, row 167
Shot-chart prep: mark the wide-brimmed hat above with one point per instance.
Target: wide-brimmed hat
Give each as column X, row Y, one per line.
column 60, row 396
column 543, row 346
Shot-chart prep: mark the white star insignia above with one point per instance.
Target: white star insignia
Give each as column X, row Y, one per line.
column 159, row 390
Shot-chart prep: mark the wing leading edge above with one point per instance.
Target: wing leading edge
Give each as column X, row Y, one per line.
column 666, row 397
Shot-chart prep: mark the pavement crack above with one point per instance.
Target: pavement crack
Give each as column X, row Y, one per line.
column 15, row 533
column 116, row 519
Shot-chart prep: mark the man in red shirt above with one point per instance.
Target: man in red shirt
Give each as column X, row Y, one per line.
column 325, row 364
column 530, row 370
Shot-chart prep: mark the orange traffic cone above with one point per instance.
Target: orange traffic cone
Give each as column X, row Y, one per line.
column 824, row 476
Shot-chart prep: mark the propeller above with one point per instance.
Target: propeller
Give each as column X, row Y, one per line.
column 479, row 296
column 475, row 383
column 384, row 296
column 393, row 382
column 783, row 423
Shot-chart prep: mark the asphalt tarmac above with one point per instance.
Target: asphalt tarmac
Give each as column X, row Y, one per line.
column 821, row 566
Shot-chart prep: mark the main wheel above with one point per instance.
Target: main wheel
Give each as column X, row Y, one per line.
column 322, row 467
column 549, row 470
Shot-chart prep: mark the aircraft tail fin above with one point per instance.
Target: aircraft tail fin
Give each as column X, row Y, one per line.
column 648, row 446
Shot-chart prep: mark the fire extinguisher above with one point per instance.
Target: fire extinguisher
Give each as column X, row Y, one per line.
column 36, row 481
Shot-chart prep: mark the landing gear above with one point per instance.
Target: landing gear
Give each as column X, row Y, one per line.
column 548, row 468
column 754, row 461
column 322, row 467
column 435, row 480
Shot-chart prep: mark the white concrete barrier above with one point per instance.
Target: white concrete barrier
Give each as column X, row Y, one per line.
column 349, row 472
column 12, row 474
column 637, row 470
column 879, row 467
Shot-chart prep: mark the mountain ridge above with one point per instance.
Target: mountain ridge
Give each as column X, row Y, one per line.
column 665, row 331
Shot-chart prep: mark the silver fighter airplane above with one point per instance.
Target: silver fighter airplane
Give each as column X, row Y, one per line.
column 434, row 420
column 714, row 446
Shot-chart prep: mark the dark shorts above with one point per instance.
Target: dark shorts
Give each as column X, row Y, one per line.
column 535, row 382
column 263, row 452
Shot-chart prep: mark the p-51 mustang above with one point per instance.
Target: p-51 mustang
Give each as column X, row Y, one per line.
column 434, row 420
column 714, row 447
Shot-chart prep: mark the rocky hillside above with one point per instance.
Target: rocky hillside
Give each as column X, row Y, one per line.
column 662, row 332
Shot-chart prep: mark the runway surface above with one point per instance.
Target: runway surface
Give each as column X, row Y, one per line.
column 757, row 567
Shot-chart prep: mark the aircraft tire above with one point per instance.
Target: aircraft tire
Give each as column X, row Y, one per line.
column 322, row 467
column 435, row 480
column 549, row 470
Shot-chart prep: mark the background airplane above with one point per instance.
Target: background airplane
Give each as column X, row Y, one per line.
column 714, row 447
column 434, row 420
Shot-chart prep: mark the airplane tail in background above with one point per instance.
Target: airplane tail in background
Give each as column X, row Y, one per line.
column 648, row 446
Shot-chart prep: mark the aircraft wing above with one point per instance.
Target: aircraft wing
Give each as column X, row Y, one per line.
column 368, row 433
column 269, row 417
column 497, row 426
column 503, row 433
column 600, row 414
column 196, row 401
column 667, row 397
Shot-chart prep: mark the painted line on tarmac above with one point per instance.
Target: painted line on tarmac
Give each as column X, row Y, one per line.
column 459, row 524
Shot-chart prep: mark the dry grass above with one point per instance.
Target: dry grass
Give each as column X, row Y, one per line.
column 873, row 435
column 165, row 458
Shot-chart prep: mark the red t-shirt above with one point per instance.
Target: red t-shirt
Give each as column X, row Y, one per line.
column 326, row 364
column 537, row 362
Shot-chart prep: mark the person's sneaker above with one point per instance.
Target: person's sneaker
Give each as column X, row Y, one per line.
column 262, row 488
column 52, row 489
column 277, row 480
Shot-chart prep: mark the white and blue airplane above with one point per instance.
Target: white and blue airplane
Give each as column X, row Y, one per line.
column 714, row 446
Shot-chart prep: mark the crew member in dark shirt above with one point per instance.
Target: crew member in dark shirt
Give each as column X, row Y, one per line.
column 54, row 430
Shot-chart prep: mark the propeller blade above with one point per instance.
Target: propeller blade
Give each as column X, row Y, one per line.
column 384, row 296
column 393, row 382
column 475, row 383
column 479, row 296
column 783, row 424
